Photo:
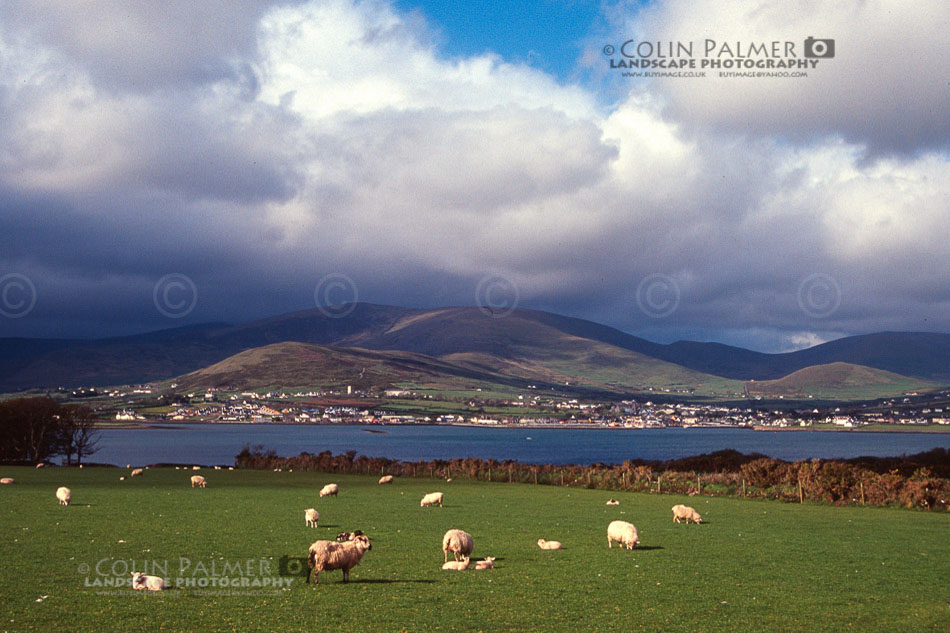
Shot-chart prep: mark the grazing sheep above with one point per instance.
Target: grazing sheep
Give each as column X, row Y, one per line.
column 328, row 555
column 624, row 533
column 385, row 479
column 230, row 467
column 431, row 499
column 311, row 516
column 549, row 544
column 147, row 583
column 196, row 467
column 488, row 563
column 64, row 494
column 136, row 472
column 458, row 542
column 342, row 537
column 456, row 565
column 122, row 478
column 685, row 512
column 612, row 502
column 41, row 465
column 6, row 480
column 198, row 480
column 329, row 489
column 217, row 468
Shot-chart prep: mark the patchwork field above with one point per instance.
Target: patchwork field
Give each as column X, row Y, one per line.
column 752, row 566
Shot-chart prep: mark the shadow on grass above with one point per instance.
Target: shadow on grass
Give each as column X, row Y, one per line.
column 383, row 581
column 647, row 548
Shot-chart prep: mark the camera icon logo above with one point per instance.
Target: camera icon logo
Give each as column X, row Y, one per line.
column 292, row 566
column 819, row 49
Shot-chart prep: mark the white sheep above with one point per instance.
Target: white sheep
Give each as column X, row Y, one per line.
column 458, row 542
column 329, row 490
column 487, row 563
column 431, row 499
column 217, row 468
column 196, row 467
column 230, row 467
column 136, row 472
column 311, row 516
column 685, row 512
column 64, row 494
column 549, row 544
column 147, row 583
column 41, row 465
column 624, row 533
column 612, row 502
column 122, row 478
column 458, row 565
column 6, row 480
column 385, row 479
column 199, row 481
column 329, row 555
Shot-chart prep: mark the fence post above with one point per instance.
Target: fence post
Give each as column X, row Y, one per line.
column 659, row 488
column 801, row 495
column 509, row 474
column 489, row 474
column 535, row 476
column 862, row 493
column 743, row 487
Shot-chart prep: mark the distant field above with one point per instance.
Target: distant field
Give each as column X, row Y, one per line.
column 754, row 566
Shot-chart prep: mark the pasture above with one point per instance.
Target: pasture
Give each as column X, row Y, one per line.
column 752, row 566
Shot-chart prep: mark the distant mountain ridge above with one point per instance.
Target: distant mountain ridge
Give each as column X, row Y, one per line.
column 526, row 340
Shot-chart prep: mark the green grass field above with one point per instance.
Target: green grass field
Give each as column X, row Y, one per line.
column 753, row 566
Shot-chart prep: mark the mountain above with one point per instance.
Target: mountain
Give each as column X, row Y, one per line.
column 525, row 344
column 837, row 381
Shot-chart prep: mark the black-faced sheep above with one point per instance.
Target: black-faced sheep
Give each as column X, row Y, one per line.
column 329, row 555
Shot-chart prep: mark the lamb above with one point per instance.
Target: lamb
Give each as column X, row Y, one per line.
column 456, row 565
column 198, row 480
column 147, row 583
column 136, row 472
column 6, row 480
column 329, row 489
column 549, row 544
column 431, row 499
column 612, row 502
column 64, row 494
column 328, row 555
column 385, row 479
column 624, row 533
column 458, row 542
column 311, row 516
column 342, row 537
column 488, row 563
column 685, row 512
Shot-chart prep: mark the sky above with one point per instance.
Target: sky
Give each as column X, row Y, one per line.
column 167, row 164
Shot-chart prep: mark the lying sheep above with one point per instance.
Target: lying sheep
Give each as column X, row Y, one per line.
column 385, row 479
column 328, row 555
column 612, row 502
column 431, row 499
column 230, row 467
column 685, row 512
column 122, row 478
column 41, row 465
column 457, row 565
column 198, row 480
column 64, row 494
column 487, row 563
column 549, row 544
column 6, row 480
column 311, row 516
column 458, row 542
column 217, row 468
column 136, row 472
column 196, row 467
column 147, row 583
column 342, row 537
column 624, row 533
column 329, row 489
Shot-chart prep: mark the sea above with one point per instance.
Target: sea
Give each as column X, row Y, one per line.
column 208, row 444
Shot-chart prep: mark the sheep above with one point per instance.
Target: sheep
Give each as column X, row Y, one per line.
column 196, row 467
column 198, row 480
column 685, row 512
column 488, row 563
column 6, row 480
column 386, row 479
column 342, row 537
column 458, row 542
column 64, row 494
column 328, row 555
column 41, row 465
column 136, row 472
column 311, row 516
column 612, row 502
column 624, row 533
column 230, row 467
column 217, row 468
column 431, row 499
column 122, row 478
column 549, row 544
column 456, row 565
column 147, row 583
column 329, row 489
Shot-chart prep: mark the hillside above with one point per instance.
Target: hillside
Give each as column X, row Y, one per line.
column 838, row 381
